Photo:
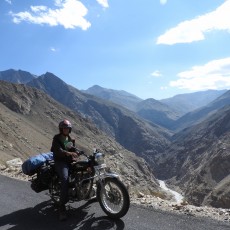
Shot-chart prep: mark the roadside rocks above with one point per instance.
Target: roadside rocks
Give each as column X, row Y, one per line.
column 2, row 167
column 182, row 208
column 12, row 168
column 15, row 163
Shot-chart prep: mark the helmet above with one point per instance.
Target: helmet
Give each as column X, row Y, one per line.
column 65, row 124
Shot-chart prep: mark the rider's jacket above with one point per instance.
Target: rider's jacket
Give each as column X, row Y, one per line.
column 59, row 148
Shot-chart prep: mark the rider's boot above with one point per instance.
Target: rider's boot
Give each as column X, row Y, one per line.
column 62, row 213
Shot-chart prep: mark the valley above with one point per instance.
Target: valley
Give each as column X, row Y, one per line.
column 144, row 139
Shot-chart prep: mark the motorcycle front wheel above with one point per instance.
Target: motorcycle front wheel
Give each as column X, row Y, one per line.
column 113, row 197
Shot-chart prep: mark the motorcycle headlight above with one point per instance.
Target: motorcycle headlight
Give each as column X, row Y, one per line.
column 99, row 158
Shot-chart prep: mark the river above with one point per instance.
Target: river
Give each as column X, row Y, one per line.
column 178, row 197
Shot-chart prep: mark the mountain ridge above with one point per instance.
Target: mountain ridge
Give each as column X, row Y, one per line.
column 28, row 128
column 147, row 138
column 157, row 112
column 120, row 97
column 185, row 159
column 200, row 114
column 163, row 112
column 185, row 103
column 16, row 76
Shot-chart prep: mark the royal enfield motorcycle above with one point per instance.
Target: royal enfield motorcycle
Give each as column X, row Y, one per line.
column 88, row 178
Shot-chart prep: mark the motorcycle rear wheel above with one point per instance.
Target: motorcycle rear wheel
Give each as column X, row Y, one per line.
column 113, row 198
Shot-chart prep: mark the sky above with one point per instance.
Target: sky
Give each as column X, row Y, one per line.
column 150, row 48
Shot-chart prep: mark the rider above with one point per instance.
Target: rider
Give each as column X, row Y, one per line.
column 63, row 157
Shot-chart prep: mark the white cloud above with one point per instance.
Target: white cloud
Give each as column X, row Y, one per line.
column 53, row 49
column 156, row 73
column 37, row 9
column 195, row 29
column 69, row 14
column 104, row 3
column 59, row 2
column 163, row 87
column 8, row 1
column 163, row 2
column 213, row 75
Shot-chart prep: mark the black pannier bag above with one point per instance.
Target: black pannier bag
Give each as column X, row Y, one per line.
column 43, row 179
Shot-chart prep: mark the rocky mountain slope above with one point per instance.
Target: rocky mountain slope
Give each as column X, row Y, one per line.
column 119, row 97
column 157, row 112
column 198, row 161
column 163, row 112
column 149, row 109
column 16, row 76
column 29, row 119
column 202, row 113
column 135, row 134
column 184, row 103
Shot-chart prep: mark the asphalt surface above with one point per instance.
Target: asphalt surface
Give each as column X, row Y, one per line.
column 22, row 209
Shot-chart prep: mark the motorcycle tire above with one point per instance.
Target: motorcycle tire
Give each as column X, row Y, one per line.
column 113, row 197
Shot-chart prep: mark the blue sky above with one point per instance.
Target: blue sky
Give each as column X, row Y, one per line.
column 150, row 48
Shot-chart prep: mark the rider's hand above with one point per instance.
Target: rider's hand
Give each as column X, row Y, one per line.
column 73, row 155
column 81, row 153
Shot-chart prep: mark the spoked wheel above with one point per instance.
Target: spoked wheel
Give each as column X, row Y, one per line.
column 113, row 198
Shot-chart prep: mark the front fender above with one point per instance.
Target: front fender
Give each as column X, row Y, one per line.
column 107, row 175
column 111, row 175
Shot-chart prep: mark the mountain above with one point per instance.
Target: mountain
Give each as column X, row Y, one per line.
column 198, row 161
column 196, row 158
column 169, row 113
column 150, row 109
column 202, row 113
column 119, row 97
column 29, row 120
column 135, row 134
column 184, row 103
column 179, row 104
column 157, row 112
column 16, row 76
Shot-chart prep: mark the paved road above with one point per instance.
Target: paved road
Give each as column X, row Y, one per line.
column 23, row 209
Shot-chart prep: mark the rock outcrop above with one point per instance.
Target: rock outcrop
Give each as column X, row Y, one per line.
column 198, row 161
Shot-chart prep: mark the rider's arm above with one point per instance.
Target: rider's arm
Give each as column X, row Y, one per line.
column 59, row 151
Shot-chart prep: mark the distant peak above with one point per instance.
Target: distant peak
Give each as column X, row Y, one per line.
column 50, row 77
column 95, row 87
column 49, row 73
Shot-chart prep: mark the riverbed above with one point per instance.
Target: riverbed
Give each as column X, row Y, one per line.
column 178, row 197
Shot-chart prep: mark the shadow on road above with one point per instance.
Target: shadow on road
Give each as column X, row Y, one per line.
column 45, row 216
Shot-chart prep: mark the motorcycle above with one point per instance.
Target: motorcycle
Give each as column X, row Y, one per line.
column 87, row 179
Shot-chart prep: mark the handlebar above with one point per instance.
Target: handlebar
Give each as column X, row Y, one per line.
column 72, row 148
column 78, row 151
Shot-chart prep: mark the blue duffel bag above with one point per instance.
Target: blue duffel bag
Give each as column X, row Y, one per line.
column 30, row 166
